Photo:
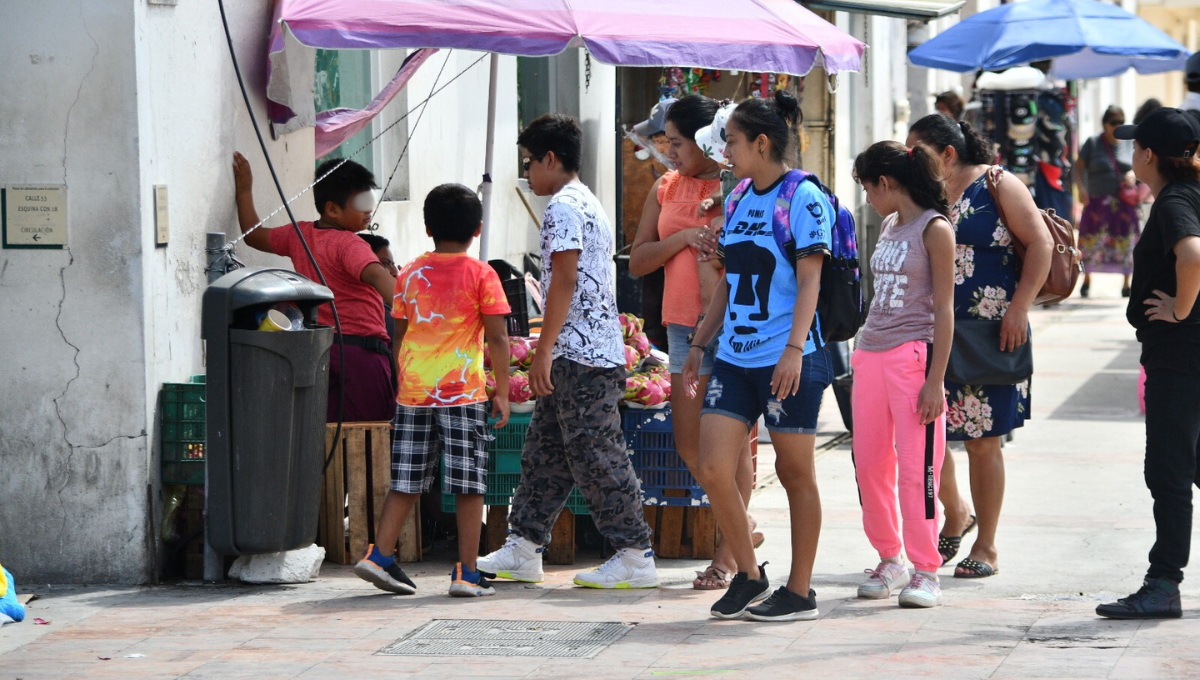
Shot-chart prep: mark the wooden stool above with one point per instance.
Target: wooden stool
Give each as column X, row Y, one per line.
column 682, row 531
column 355, row 484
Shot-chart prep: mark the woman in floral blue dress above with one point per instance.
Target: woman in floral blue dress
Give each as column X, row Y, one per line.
column 990, row 283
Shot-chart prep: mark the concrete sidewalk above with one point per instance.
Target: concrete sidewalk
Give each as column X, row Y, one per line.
column 1075, row 531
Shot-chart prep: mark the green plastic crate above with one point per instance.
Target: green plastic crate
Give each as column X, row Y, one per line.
column 504, row 467
column 504, row 452
column 184, row 419
column 500, row 489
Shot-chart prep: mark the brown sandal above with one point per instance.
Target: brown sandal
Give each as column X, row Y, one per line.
column 712, row 578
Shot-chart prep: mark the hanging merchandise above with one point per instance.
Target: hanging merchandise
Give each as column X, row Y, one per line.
column 1052, row 189
column 1031, row 129
column 1022, row 121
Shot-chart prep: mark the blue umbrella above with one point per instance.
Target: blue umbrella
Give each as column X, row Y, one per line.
column 1084, row 38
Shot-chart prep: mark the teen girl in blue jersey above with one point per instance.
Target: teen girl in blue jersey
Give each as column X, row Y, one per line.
column 769, row 361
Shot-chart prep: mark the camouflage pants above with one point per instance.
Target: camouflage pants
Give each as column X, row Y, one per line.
column 576, row 438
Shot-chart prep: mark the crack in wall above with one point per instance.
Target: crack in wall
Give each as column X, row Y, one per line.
column 79, row 90
column 62, row 276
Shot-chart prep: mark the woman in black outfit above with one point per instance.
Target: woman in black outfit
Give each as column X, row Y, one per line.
column 1163, row 309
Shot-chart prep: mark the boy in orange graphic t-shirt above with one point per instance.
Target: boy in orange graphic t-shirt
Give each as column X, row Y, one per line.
column 445, row 301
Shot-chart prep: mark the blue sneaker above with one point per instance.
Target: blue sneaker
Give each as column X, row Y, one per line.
column 384, row 573
column 467, row 583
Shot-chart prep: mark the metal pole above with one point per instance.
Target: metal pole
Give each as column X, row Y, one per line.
column 489, row 157
column 213, row 245
column 214, row 564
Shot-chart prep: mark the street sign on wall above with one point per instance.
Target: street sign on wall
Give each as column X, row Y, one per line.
column 34, row 215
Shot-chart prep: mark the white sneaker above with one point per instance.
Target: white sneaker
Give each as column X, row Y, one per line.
column 882, row 580
column 629, row 568
column 519, row 559
column 923, row 591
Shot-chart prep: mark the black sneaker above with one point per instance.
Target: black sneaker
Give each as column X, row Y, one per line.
column 741, row 594
column 784, row 605
column 1158, row 598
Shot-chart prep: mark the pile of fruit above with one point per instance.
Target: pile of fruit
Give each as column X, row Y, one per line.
column 520, row 360
column 648, row 384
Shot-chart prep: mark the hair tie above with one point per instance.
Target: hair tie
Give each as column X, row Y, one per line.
column 909, row 152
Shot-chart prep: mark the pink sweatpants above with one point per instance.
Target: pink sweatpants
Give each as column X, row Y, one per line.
column 888, row 436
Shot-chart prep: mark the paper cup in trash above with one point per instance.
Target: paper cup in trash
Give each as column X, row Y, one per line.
column 275, row 320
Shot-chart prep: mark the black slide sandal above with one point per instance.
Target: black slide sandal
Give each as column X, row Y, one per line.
column 948, row 546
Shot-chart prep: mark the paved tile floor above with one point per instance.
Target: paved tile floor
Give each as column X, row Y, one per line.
column 1075, row 532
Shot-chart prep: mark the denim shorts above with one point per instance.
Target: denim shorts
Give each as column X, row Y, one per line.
column 678, row 347
column 745, row 394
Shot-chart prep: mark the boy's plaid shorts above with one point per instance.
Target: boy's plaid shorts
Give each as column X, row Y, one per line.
column 460, row 433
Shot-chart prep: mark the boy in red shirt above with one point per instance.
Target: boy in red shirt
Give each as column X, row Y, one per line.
column 353, row 273
column 445, row 300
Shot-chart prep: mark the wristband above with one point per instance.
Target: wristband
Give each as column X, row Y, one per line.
column 699, row 347
column 795, row 347
column 1177, row 319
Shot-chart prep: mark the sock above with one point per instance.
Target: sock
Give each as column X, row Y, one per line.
column 893, row 560
column 380, row 560
column 932, row 576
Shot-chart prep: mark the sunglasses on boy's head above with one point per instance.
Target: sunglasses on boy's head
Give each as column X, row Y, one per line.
column 525, row 162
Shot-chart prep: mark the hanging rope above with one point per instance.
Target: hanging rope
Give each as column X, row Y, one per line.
column 407, row 140
column 224, row 262
column 421, row 105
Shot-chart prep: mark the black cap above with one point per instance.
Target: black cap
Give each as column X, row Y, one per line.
column 1193, row 68
column 1166, row 132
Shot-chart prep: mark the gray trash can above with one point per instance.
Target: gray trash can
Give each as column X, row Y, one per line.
column 267, row 392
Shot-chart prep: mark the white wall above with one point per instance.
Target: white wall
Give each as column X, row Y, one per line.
column 449, row 143
column 190, row 119
column 112, row 98
column 72, row 397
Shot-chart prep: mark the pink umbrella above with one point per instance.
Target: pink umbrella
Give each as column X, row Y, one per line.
column 778, row 36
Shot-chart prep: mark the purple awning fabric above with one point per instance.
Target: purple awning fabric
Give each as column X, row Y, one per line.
column 337, row 125
column 778, row 36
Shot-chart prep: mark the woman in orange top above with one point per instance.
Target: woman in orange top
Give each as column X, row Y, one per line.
column 677, row 234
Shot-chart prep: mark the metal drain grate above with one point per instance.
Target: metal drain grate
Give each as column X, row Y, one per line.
column 466, row 637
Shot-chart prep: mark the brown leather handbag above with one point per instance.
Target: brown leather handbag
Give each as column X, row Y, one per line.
column 1066, row 260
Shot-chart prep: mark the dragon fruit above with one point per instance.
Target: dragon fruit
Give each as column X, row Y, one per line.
column 489, row 383
column 631, row 358
column 518, row 388
column 532, row 343
column 659, row 371
column 633, row 385
column 641, row 343
column 631, row 325
column 651, row 393
column 664, row 384
column 519, row 353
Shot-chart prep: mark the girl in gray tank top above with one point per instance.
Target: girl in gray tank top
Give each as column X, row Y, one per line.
column 899, row 365
column 902, row 307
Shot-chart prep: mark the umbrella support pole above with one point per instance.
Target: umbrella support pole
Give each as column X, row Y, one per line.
column 489, row 158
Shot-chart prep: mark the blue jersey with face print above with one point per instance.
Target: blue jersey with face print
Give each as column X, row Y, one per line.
column 762, row 282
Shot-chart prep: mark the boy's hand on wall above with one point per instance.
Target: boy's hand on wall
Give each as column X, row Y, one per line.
column 243, row 178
